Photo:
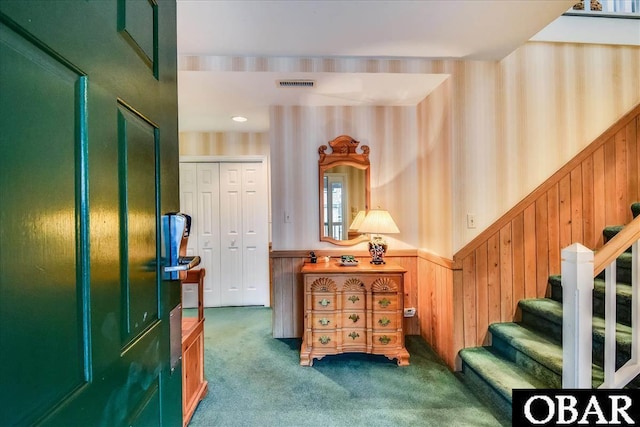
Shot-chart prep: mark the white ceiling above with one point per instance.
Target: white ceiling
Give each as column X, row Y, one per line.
column 464, row 29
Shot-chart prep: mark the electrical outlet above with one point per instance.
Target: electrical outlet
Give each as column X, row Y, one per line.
column 471, row 220
column 409, row 312
column 287, row 217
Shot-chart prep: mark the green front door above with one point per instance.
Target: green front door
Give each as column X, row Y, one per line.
column 88, row 164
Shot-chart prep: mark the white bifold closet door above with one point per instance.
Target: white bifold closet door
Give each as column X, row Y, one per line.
column 228, row 204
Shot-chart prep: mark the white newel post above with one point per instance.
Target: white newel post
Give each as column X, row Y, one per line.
column 577, row 295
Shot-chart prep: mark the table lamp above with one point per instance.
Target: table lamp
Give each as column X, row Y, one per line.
column 376, row 222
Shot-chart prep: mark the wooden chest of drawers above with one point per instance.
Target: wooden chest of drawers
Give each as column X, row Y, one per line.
column 353, row 309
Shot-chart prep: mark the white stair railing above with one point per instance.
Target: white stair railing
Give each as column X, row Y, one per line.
column 579, row 267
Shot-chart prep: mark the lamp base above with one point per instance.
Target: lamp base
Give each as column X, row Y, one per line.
column 377, row 250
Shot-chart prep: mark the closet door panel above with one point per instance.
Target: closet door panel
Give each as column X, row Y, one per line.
column 207, row 219
column 231, row 233
column 255, row 235
column 189, row 205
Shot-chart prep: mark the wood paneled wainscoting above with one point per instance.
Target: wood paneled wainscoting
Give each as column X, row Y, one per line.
column 513, row 258
column 436, row 315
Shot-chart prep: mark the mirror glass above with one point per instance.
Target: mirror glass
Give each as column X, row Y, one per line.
column 344, row 191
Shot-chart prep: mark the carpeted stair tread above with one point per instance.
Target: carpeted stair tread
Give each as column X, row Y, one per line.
column 622, row 289
column 551, row 310
column 501, row 374
column 623, row 332
column 547, row 308
column 610, row 231
column 623, row 268
column 531, row 343
column 624, row 260
column 537, row 347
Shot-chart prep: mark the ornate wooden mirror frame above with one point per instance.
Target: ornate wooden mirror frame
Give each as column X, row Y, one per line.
column 344, row 154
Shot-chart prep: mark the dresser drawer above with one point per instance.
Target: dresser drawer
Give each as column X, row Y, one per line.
column 353, row 319
column 384, row 340
column 324, row 339
column 353, row 300
column 323, row 302
column 385, row 301
column 385, row 321
column 323, row 321
column 354, row 336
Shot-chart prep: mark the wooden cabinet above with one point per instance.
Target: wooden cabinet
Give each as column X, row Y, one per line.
column 194, row 386
column 353, row 309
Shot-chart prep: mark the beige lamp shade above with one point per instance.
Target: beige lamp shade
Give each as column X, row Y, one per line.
column 378, row 221
column 357, row 222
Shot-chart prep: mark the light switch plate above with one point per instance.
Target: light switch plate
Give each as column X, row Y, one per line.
column 471, row 220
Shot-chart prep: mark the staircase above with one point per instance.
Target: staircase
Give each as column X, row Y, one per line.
column 528, row 354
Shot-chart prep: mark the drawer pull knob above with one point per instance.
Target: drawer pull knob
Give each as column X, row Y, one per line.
column 354, row 317
column 354, row 335
column 384, row 302
column 384, row 339
column 324, row 321
column 324, row 339
column 354, row 298
column 384, row 321
column 324, row 302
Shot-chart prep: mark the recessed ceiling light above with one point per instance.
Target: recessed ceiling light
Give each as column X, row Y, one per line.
column 239, row 119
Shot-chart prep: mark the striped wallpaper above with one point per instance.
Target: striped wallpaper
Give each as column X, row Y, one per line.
column 486, row 137
column 224, row 144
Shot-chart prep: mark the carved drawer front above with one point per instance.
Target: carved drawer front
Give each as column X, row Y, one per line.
column 353, row 319
column 353, row 300
column 381, row 339
column 385, row 301
column 323, row 302
column 320, row 284
column 323, row 321
column 385, row 321
column 324, row 339
column 351, row 336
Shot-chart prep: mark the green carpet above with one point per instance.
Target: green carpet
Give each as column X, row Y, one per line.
column 256, row 380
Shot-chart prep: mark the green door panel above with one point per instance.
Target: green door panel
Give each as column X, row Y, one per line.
column 138, row 195
column 41, row 295
column 137, row 22
column 88, row 163
column 120, row 394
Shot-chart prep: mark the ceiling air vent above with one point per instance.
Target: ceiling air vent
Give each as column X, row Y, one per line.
column 296, row 83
